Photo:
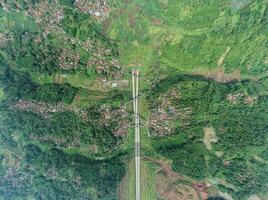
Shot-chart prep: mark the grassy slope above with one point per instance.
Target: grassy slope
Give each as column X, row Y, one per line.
column 191, row 36
column 148, row 180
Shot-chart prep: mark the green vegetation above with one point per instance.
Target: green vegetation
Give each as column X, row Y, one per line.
column 148, row 189
column 71, row 175
column 80, row 25
column 16, row 21
column 191, row 36
column 216, row 198
column 50, row 147
column 83, row 27
column 1, row 94
column 240, row 125
column 14, row 81
column 61, row 102
column 40, row 56
column 52, row 174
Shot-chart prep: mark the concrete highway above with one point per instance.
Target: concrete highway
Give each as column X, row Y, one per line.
column 135, row 91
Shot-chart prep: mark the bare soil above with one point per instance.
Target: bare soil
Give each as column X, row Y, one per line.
column 209, row 137
column 132, row 20
column 106, row 25
column 221, row 59
column 171, row 191
column 122, row 189
column 254, row 197
column 220, row 76
column 169, row 187
column 156, row 22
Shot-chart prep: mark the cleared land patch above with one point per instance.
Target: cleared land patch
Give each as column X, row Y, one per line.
column 209, row 137
column 173, row 186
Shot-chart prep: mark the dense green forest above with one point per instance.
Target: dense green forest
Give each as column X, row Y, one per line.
column 52, row 174
column 42, row 169
column 13, row 82
column 51, row 149
column 240, row 126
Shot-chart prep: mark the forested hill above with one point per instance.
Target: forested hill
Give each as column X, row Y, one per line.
column 54, row 144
